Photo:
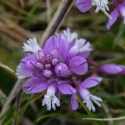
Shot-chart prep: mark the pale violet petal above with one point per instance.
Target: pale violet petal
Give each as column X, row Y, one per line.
column 20, row 74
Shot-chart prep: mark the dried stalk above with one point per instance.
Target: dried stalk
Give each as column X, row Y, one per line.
column 105, row 119
column 16, row 89
column 11, row 33
column 6, row 67
column 17, row 106
column 11, row 26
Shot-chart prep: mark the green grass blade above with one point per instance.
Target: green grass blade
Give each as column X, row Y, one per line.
column 60, row 114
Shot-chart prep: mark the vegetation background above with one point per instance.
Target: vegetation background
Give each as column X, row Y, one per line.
column 24, row 19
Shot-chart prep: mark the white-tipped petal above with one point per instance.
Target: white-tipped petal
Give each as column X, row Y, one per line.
column 51, row 101
column 86, row 47
column 31, row 46
column 96, row 99
column 80, row 46
column 20, row 74
column 89, row 102
column 70, row 36
column 101, row 3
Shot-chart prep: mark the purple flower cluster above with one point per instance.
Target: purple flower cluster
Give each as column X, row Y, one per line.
column 55, row 68
column 85, row 5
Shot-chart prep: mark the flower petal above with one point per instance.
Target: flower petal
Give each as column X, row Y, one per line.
column 91, row 82
column 27, row 65
column 50, row 44
column 66, row 89
column 35, row 85
column 39, row 55
column 63, row 47
column 57, row 94
column 55, row 53
column 83, row 5
column 84, row 93
column 70, row 36
column 111, row 69
column 21, row 74
column 78, row 65
column 65, row 82
column 32, row 46
column 84, row 55
column 62, row 70
column 74, row 103
column 122, row 11
column 52, row 88
column 114, row 15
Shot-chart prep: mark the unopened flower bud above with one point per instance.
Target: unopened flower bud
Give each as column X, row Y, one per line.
column 54, row 62
column 40, row 66
column 48, row 66
column 112, row 69
column 62, row 70
column 30, row 65
column 47, row 73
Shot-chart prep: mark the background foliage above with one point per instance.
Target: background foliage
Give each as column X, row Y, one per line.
column 23, row 19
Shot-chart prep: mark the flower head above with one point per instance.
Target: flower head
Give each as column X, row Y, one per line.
column 50, row 68
column 57, row 58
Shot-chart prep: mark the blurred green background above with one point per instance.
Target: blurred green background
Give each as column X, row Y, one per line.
column 24, row 19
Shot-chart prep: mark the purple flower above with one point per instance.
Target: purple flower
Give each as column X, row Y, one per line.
column 53, row 86
column 85, row 95
column 53, row 93
column 112, row 69
column 118, row 11
column 59, row 57
column 51, row 98
column 62, row 56
column 85, row 5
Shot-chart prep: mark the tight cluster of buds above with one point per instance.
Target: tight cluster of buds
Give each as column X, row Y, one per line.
column 56, row 68
column 119, row 10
